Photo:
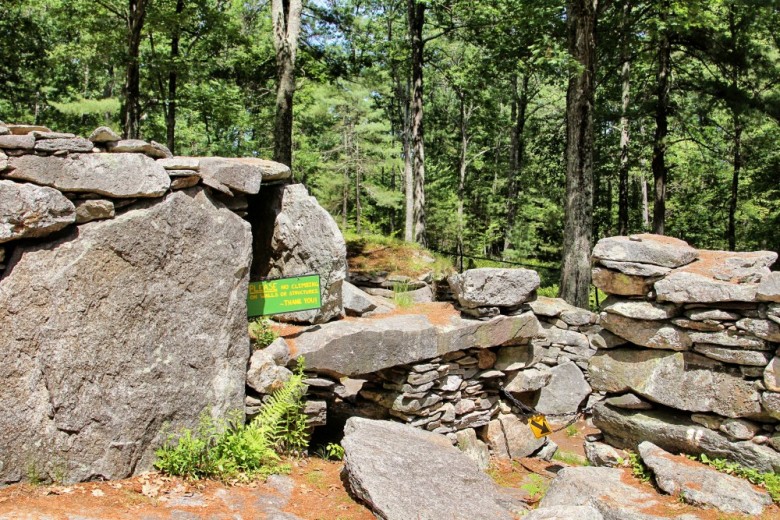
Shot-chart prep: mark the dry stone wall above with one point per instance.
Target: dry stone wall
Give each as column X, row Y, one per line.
column 696, row 367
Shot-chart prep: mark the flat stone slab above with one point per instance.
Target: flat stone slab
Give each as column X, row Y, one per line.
column 646, row 249
column 687, row 287
column 494, row 287
column 700, row 485
column 638, row 309
column 120, row 175
column 30, row 211
column 242, row 174
column 402, row 472
column 681, row 380
column 647, row 333
column 352, row 348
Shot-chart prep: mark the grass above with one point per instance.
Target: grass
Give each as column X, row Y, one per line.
column 536, row 486
column 570, row 458
column 378, row 253
column 401, row 296
column 571, row 430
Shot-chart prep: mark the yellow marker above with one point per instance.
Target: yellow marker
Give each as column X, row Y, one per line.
column 539, row 426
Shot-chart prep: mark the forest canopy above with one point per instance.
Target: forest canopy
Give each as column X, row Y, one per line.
column 441, row 121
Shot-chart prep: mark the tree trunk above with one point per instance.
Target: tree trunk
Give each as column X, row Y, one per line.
column 516, row 152
column 131, row 110
column 660, row 170
column 408, row 170
column 732, row 232
column 625, row 52
column 286, row 18
column 416, row 22
column 580, row 97
column 173, row 77
column 465, row 115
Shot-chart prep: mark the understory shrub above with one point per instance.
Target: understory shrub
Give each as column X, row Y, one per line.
column 261, row 333
column 228, row 449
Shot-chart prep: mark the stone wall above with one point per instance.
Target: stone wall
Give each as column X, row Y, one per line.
column 123, row 283
column 696, row 367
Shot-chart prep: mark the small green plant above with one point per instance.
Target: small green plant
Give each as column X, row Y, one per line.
column 33, row 473
column 769, row 481
column 638, row 468
column 261, row 333
column 570, row 458
column 333, row 451
column 231, row 449
column 571, row 430
column 401, row 295
column 551, row 291
column 536, row 486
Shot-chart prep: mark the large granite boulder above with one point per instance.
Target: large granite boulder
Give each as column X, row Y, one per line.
column 351, row 348
column 700, row 485
column 681, row 380
column 402, row 472
column 564, row 393
column 646, row 249
column 689, row 287
column 118, row 329
column 120, row 175
column 29, row 211
column 677, row 433
column 295, row 236
column 243, row 174
column 494, row 287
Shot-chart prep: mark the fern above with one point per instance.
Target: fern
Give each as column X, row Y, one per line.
column 281, row 418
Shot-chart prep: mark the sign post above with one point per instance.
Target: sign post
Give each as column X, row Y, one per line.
column 282, row 295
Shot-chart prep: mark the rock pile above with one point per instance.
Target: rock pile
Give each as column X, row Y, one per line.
column 700, row 332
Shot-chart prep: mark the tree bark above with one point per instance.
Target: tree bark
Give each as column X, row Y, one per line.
column 286, row 18
column 465, row 115
column 516, row 153
column 625, row 52
column 416, row 12
column 580, row 98
column 173, row 77
column 131, row 109
column 660, row 170
column 408, row 170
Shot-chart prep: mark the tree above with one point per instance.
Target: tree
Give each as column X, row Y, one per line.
column 286, row 16
column 660, row 170
column 416, row 13
column 578, row 206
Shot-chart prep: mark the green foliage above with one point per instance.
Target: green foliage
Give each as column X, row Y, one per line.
column 570, row 458
column 638, row 468
column 571, row 430
column 261, row 333
column 551, row 291
column 401, row 295
column 330, row 451
column 231, row 449
column 536, row 486
column 769, row 481
column 81, row 106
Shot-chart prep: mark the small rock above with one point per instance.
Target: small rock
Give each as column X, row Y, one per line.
column 264, row 375
column 734, row 355
column 548, row 451
column 30, row 211
column 615, row 282
column 600, row 454
column 356, row 302
column 180, row 163
column 182, row 183
column 528, row 380
column 519, row 438
column 153, row 149
column 279, row 351
column 485, row 359
column 494, row 287
column 316, row 413
column 712, row 314
column 73, row 145
column 26, row 129
column 629, row 402
column 739, row 429
column 565, row 391
column 51, row 135
column 17, row 142
column 639, row 310
column 473, row 448
column 104, row 134
column 772, row 375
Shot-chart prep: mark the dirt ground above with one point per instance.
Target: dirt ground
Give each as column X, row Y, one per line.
column 312, row 491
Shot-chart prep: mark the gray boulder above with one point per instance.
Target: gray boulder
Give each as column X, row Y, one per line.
column 518, row 357
column 686, row 287
column 402, row 472
column 356, row 302
column 769, row 288
column 264, row 375
column 242, row 174
column 675, row 432
column 117, row 339
column 638, row 309
column 564, row 393
column 94, row 209
column 305, row 240
column 473, row 448
column 113, row 175
column 564, row 513
column 152, row 149
column 104, row 134
column 494, row 287
column 528, row 380
column 602, row 455
column 615, row 282
column 646, row 333
column 29, row 211
column 646, row 249
column 72, row 145
column 681, row 380
column 636, row 268
column 702, row 486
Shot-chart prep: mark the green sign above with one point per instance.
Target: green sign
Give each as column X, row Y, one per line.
column 298, row 293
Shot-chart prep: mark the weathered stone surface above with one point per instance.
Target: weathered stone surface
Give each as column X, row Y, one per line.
column 739, row 429
column 564, row 513
column 152, row 149
column 182, row 183
column 572, row 338
column 677, row 433
column 29, row 211
column 348, row 348
column 26, row 129
column 728, row 338
column 770, row 401
column 769, row 288
column 94, row 209
column 279, row 351
column 493, row 287
column 316, row 413
column 264, row 375
column 647, row 333
column 520, row 440
column 551, row 307
column 713, row 422
column 638, row 309
column 702, row 326
column 681, row 380
column 636, row 269
column 355, row 301
column 702, row 486
column 401, row 472
column 734, row 355
column 615, row 282
column 685, row 287
column 712, row 314
column 180, row 163
column 629, row 401
column 52, row 135
column 117, row 338
column 764, row 329
column 473, row 448
column 104, row 134
column 734, row 267
column 243, row 174
column 602, row 338
column 305, row 240
column 646, row 249
column 602, row 455
column 772, row 375
column 72, row 145
column 20, row 142
column 112, row 175
column 516, row 358
column 528, row 380
column 565, row 391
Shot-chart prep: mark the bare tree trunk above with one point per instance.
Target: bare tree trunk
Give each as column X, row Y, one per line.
column 660, row 170
column 416, row 22
column 358, row 180
column 645, row 205
column 173, row 77
column 516, row 153
column 408, row 171
column 131, row 109
column 286, row 17
column 465, row 115
column 625, row 52
column 580, row 98
column 732, row 232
